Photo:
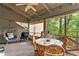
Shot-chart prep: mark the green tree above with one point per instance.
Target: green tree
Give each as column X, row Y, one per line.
column 73, row 25
column 53, row 25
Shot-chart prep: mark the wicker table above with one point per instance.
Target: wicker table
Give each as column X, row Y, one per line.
column 42, row 43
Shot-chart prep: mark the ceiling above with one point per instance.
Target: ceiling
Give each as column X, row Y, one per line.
column 44, row 10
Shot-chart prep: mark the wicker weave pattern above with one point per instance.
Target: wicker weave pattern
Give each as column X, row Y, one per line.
column 64, row 40
column 40, row 50
column 54, row 50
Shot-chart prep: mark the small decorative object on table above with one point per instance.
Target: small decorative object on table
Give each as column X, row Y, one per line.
column 48, row 40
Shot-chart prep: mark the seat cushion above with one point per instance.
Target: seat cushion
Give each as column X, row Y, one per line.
column 10, row 35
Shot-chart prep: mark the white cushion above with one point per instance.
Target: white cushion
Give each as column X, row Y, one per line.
column 10, row 35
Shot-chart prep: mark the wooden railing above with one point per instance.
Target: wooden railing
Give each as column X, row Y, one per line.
column 73, row 47
column 71, row 39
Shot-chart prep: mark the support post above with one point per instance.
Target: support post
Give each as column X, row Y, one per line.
column 65, row 25
column 60, row 25
column 44, row 27
column 28, row 26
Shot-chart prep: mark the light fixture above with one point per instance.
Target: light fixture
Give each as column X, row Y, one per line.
column 33, row 8
column 28, row 6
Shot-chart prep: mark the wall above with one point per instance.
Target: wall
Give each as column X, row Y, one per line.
column 8, row 19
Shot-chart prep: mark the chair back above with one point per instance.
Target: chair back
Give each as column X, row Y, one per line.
column 42, row 34
column 40, row 49
column 64, row 40
column 54, row 50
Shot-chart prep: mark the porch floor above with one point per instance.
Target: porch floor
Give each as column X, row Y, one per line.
column 21, row 49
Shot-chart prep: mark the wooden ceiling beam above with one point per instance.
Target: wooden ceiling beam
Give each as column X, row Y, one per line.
column 37, row 15
column 17, row 11
column 45, row 6
column 63, row 10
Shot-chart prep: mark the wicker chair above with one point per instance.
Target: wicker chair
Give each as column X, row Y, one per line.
column 54, row 50
column 34, row 42
column 64, row 40
column 38, row 49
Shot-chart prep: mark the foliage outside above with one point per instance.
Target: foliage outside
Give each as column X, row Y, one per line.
column 53, row 25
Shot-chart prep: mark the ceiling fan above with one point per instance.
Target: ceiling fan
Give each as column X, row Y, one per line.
column 28, row 6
